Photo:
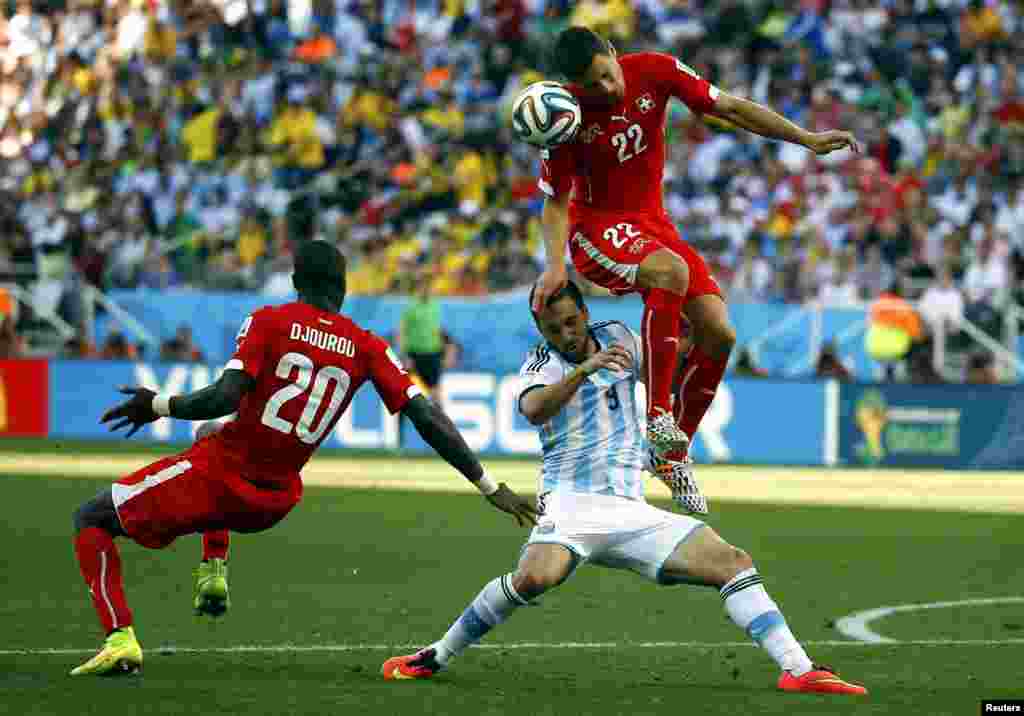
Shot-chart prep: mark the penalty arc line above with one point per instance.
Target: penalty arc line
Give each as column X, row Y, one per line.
column 855, row 626
column 302, row 648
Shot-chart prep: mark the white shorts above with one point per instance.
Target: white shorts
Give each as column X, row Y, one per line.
column 612, row 531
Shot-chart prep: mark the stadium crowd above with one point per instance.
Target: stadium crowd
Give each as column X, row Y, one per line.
column 164, row 143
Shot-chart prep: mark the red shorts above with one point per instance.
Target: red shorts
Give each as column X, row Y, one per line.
column 608, row 249
column 196, row 491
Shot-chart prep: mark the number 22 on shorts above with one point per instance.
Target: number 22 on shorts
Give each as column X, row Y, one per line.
column 619, row 240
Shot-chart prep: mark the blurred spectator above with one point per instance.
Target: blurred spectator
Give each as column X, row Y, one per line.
column 942, row 305
column 79, row 348
column 752, row 280
column 181, row 348
column 745, row 366
column 117, row 347
column 981, row 369
column 829, row 364
column 300, row 151
column 987, row 277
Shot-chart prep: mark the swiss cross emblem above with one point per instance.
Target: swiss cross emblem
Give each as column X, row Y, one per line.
column 591, row 133
column 638, row 246
column 645, row 103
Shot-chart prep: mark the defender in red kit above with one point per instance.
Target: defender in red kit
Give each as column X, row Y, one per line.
column 604, row 198
column 294, row 373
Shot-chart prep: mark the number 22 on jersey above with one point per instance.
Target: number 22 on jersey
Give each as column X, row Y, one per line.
column 621, row 142
column 327, row 378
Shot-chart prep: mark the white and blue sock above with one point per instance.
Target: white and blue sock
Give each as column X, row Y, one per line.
column 752, row 610
column 493, row 605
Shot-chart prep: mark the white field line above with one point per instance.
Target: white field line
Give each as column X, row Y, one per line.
column 528, row 645
column 996, row 492
column 856, row 626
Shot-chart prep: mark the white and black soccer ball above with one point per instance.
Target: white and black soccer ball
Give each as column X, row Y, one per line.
column 545, row 114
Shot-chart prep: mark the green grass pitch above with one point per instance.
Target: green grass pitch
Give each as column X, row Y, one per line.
column 360, row 570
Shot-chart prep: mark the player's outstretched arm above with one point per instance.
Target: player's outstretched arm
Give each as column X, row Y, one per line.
column 555, row 225
column 440, row 433
column 214, row 401
column 762, row 120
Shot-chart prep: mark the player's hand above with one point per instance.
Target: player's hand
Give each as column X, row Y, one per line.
column 549, row 283
column 613, row 357
column 136, row 412
column 831, row 141
column 507, row 501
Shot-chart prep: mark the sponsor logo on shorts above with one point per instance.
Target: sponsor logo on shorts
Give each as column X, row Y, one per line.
column 645, row 103
column 638, row 246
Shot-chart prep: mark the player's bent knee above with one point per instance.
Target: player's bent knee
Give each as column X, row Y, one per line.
column 741, row 561
column 530, row 584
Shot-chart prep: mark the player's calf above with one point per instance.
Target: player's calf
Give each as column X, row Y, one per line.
column 705, row 558
column 542, row 567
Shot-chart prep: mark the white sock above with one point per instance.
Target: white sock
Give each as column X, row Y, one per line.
column 752, row 610
column 492, row 606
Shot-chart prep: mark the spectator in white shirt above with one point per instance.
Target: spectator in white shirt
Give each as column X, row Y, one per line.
column 910, row 135
column 942, row 304
column 841, row 288
column 987, row 277
column 959, row 200
column 1010, row 218
column 753, row 278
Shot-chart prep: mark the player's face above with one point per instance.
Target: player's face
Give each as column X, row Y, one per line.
column 564, row 325
column 604, row 82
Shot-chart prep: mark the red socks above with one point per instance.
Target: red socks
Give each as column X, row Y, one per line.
column 215, row 545
column 100, row 563
column 698, row 386
column 660, row 333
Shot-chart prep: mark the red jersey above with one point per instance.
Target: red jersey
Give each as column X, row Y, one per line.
column 307, row 364
column 617, row 160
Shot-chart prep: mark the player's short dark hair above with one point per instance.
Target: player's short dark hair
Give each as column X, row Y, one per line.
column 319, row 268
column 574, row 51
column 569, row 290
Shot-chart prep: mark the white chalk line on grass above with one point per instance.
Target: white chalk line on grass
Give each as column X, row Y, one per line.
column 855, row 626
column 593, row 645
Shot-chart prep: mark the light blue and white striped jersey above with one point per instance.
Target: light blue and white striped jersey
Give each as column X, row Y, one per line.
column 595, row 444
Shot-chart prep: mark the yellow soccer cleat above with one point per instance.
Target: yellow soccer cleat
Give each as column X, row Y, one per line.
column 121, row 654
column 210, row 589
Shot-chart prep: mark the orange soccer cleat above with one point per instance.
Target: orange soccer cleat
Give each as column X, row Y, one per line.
column 421, row 665
column 820, row 680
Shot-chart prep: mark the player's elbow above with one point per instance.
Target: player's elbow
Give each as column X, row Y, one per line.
column 531, row 410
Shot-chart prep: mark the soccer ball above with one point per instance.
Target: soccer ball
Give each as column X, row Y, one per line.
column 545, row 114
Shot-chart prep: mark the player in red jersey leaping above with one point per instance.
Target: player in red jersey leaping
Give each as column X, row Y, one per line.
column 604, row 199
column 294, row 373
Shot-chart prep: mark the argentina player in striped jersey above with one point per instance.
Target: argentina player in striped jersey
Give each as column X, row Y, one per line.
column 579, row 390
